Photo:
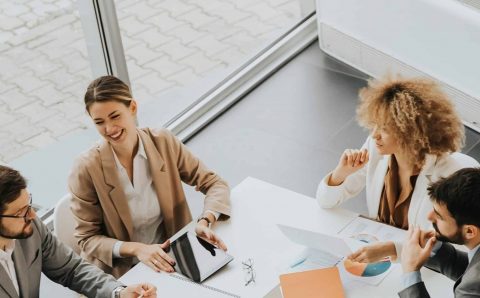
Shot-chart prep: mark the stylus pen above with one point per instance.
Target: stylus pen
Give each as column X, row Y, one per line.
column 298, row 263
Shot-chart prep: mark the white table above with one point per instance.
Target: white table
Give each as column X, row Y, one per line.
column 257, row 207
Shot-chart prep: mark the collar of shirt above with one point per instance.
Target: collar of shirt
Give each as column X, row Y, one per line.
column 472, row 252
column 7, row 253
column 140, row 152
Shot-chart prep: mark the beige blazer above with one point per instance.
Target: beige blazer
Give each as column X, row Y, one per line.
column 100, row 206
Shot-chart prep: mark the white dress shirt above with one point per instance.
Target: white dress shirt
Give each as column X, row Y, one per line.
column 142, row 200
column 7, row 263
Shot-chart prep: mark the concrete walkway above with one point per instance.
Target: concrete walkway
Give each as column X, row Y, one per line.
column 169, row 44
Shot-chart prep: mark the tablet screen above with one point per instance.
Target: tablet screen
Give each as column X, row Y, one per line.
column 196, row 258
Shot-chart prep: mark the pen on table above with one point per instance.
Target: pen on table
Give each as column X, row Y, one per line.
column 298, row 263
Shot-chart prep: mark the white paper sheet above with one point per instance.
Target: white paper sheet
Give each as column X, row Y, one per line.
column 368, row 231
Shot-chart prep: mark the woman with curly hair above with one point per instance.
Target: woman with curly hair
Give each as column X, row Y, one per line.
column 415, row 138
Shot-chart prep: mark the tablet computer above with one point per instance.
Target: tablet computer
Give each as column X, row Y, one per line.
column 196, row 258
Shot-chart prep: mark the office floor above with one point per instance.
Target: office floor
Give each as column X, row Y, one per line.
column 291, row 130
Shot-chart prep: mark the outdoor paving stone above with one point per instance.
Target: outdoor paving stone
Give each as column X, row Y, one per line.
column 14, row 99
column 185, row 77
column 153, row 37
column 175, row 7
column 36, row 112
column 6, row 117
column 59, row 126
column 197, row 18
column 263, row 10
column 200, row 63
column 20, row 128
column 186, row 33
column 167, row 43
column 143, row 54
column 164, row 22
column 49, row 95
column 9, row 23
column 154, row 83
column 27, row 82
column 176, row 50
column 12, row 151
column 232, row 56
column 210, row 45
column 254, row 26
column 164, row 66
column 142, row 10
column 40, row 140
column 230, row 13
column 13, row 10
column 133, row 26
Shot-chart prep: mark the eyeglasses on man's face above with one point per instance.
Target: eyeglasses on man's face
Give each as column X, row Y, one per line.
column 19, row 213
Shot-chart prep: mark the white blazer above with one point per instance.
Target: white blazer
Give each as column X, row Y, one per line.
column 373, row 176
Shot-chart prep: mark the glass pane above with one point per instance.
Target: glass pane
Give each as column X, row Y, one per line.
column 44, row 72
column 176, row 50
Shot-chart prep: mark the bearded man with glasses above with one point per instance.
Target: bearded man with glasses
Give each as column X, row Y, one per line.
column 28, row 248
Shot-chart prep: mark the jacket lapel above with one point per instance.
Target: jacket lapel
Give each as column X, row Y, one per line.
column 423, row 180
column 21, row 270
column 378, row 183
column 159, row 179
column 117, row 194
column 6, row 283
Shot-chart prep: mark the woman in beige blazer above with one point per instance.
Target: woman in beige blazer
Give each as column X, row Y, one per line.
column 127, row 194
column 415, row 136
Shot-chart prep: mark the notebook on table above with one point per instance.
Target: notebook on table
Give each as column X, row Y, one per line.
column 312, row 284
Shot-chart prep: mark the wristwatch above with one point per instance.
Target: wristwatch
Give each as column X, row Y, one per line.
column 116, row 292
column 206, row 219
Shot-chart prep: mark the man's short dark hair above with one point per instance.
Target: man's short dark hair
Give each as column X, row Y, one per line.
column 460, row 193
column 11, row 184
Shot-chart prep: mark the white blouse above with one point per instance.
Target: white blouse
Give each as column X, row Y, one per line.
column 142, row 200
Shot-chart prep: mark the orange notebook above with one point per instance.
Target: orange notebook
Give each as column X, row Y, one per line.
column 312, row 284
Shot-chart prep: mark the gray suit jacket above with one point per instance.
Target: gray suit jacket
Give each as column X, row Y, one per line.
column 42, row 252
column 454, row 264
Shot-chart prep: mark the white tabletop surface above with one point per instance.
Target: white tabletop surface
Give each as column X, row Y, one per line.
column 251, row 232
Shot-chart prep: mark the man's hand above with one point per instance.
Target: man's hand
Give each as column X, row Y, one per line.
column 413, row 254
column 374, row 252
column 209, row 235
column 139, row 290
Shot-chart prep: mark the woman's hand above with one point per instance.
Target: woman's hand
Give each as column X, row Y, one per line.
column 374, row 252
column 155, row 256
column 351, row 161
column 209, row 235
column 139, row 290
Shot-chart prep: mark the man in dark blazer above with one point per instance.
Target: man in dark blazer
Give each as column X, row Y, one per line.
column 456, row 219
column 28, row 248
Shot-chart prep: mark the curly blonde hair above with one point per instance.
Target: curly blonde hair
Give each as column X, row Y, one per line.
column 416, row 112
